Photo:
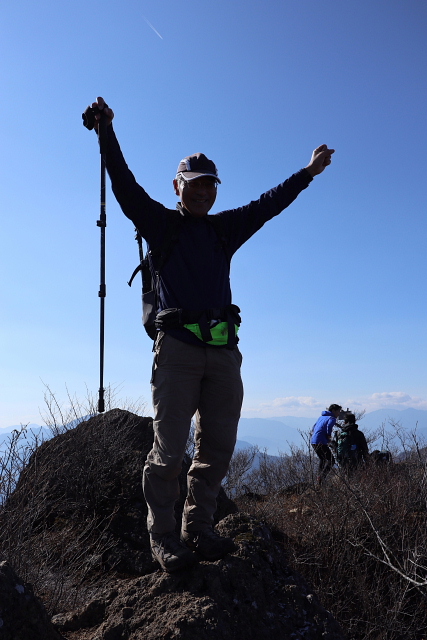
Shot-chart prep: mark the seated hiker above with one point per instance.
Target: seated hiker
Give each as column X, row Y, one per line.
column 352, row 447
column 321, row 438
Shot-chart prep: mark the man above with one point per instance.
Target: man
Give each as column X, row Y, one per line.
column 321, row 437
column 196, row 367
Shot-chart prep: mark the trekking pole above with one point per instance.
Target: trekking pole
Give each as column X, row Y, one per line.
column 89, row 122
column 102, row 223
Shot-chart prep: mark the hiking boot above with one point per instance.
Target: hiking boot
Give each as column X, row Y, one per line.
column 168, row 550
column 208, row 543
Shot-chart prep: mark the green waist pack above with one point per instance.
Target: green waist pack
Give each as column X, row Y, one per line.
column 219, row 332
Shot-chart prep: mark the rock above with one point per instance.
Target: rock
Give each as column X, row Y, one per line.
column 22, row 615
column 87, row 616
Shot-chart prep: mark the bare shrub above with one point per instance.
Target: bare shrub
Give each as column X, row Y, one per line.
column 360, row 539
column 14, row 456
column 61, row 415
column 274, row 474
column 240, row 465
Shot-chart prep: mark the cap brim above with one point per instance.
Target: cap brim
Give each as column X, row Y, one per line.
column 192, row 175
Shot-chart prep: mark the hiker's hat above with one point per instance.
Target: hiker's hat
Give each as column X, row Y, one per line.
column 196, row 166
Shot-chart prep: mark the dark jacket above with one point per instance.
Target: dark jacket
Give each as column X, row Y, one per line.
column 352, row 446
column 196, row 275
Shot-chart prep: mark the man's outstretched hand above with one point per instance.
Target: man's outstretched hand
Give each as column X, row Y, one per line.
column 320, row 159
column 108, row 113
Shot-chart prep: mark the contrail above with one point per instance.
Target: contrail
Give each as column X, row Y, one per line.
column 150, row 25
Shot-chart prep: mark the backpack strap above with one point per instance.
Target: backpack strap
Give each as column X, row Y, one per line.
column 150, row 282
column 138, row 238
column 218, row 226
column 160, row 256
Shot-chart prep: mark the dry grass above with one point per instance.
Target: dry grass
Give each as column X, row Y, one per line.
column 360, row 540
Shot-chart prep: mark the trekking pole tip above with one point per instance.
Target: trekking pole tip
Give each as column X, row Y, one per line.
column 101, row 404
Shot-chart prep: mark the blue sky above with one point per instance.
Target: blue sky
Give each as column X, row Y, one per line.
column 332, row 291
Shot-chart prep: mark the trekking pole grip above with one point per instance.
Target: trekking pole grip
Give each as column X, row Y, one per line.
column 102, row 134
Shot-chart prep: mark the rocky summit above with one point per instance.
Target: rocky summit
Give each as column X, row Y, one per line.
column 75, row 529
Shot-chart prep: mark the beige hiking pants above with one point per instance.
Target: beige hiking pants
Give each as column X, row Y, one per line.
column 188, row 380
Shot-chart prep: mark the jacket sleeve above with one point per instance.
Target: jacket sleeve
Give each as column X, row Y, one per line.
column 148, row 215
column 240, row 224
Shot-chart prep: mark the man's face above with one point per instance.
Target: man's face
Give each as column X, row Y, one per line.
column 197, row 196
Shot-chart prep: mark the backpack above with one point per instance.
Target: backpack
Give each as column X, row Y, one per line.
column 347, row 449
column 381, row 457
column 159, row 257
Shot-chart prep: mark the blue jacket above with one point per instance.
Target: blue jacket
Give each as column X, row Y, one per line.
column 196, row 276
column 323, row 428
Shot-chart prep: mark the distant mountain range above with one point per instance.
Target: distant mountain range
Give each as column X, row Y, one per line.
column 278, row 434
column 408, row 418
column 273, row 434
column 27, row 437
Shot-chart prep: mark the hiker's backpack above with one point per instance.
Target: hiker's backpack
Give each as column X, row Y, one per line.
column 347, row 449
column 381, row 457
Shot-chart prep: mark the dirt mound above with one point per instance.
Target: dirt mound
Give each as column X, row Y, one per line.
column 251, row 594
column 76, row 528
column 79, row 504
